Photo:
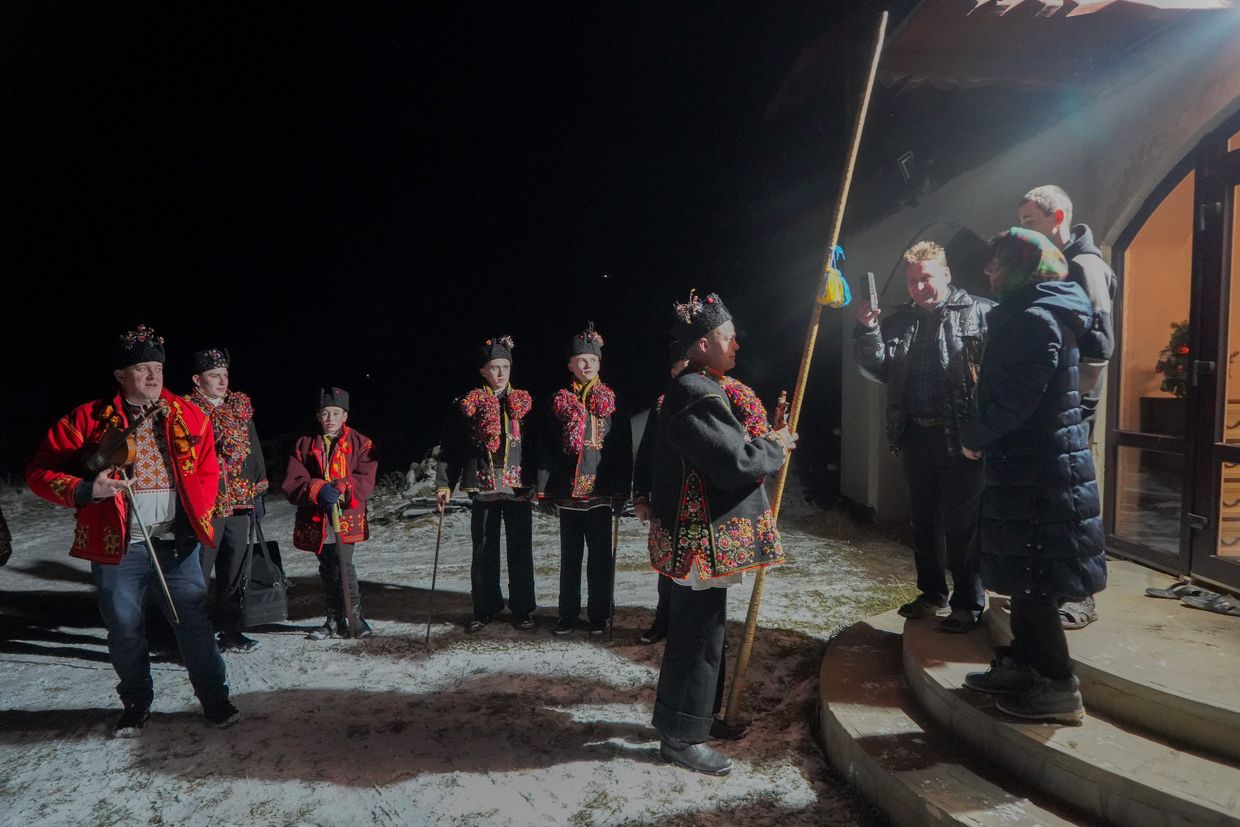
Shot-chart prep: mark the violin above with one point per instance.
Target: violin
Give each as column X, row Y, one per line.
column 118, row 447
column 779, row 421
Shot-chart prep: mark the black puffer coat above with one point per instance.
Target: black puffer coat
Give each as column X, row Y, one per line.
column 1041, row 523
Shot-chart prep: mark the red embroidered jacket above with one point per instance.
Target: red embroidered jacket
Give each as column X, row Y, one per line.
column 352, row 461
column 102, row 532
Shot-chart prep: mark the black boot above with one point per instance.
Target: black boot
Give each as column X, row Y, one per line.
column 329, row 629
column 696, row 757
column 129, row 725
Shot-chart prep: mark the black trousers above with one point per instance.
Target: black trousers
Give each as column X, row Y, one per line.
column 230, row 560
column 1038, row 638
column 333, row 591
column 661, row 608
column 484, row 571
column 581, row 529
column 690, row 680
column 944, row 504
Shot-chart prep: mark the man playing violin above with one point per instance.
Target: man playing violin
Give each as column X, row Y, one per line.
column 162, row 449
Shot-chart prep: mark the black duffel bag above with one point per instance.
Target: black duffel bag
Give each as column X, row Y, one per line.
column 265, row 596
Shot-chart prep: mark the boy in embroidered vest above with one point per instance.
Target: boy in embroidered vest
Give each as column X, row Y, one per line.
column 243, row 481
column 642, row 466
column 710, row 521
column 482, row 451
column 586, row 472
column 330, row 476
column 174, row 481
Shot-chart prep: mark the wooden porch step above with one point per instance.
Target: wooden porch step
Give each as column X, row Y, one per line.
column 1121, row 776
column 1155, row 663
column 879, row 740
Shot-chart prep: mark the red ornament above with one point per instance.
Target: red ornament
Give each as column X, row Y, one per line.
column 1182, row 350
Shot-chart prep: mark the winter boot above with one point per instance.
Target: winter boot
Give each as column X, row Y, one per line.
column 696, row 757
column 1057, row 701
column 329, row 629
column 236, row 642
column 1006, row 675
column 363, row 628
column 129, row 725
column 221, row 713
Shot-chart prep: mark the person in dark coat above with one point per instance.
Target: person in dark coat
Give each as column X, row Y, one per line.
column 486, row 451
column 927, row 352
column 1048, row 210
column 711, row 522
column 243, row 482
column 587, row 473
column 643, row 463
column 1042, row 536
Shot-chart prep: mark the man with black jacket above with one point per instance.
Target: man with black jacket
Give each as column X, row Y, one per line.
column 927, row 353
column 1048, row 210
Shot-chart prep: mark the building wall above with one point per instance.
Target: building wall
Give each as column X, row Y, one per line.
column 1109, row 158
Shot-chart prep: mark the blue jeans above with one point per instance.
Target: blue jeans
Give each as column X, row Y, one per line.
column 122, row 599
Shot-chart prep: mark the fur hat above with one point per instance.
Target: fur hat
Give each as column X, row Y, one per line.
column 697, row 317
column 588, row 341
column 205, row 360
column 333, row 397
column 140, row 345
column 497, row 347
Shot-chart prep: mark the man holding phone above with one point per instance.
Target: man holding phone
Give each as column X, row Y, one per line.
column 927, row 352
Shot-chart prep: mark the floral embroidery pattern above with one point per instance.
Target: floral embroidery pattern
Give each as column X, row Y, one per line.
column 583, row 485
column 659, row 544
column 481, row 408
column 230, row 420
column 509, row 477
column 570, row 409
column 747, row 407
column 693, row 499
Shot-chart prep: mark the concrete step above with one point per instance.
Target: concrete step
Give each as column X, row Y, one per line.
column 1155, row 663
column 1124, row 777
column 879, row 740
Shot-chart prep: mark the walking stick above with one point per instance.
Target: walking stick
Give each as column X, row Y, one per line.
column 344, row 558
column 150, row 545
column 798, row 394
column 615, row 542
column 430, row 605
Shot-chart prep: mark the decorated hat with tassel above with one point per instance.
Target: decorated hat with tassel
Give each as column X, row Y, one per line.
column 496, row 347
column 697, row 317
column 588, row 341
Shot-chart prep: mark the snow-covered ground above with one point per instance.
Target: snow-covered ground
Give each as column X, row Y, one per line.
column 499, row 728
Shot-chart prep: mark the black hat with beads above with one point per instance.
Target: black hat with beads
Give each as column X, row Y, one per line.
column 496, row 347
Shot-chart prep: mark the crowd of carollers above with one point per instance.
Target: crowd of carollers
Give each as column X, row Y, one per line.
column 1016, row 382
column 185, row 495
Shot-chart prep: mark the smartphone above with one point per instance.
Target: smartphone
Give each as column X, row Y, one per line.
column 873, row 291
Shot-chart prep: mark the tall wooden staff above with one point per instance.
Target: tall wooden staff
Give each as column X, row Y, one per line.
column 798, row 395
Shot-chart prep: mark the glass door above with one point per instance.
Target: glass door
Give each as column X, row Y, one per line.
column 1215, row 547
column 1173, row 446
column 1150, row 432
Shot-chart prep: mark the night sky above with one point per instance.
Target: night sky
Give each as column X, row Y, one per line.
column 356, row 194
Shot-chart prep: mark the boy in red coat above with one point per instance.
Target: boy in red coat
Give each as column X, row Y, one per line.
column 329, row 477
column 172, row 485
